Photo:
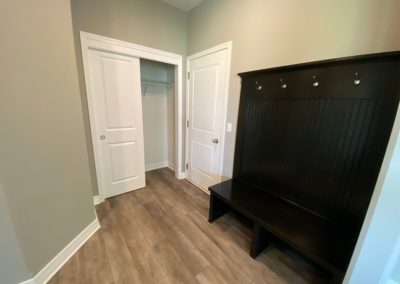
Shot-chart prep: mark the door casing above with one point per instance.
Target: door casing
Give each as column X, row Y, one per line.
column 97, row 42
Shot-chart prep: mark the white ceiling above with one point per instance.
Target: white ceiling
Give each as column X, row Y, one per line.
column 185, row 5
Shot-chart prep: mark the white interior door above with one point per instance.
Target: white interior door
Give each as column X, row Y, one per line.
column 207, row 99
column 115, row 82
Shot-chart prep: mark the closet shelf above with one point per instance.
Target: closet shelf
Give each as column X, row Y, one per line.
column 157, row 83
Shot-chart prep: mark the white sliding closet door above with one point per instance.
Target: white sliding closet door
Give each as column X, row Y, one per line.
column 115, row 82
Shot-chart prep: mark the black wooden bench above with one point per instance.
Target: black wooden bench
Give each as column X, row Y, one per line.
column 323, row 242
column 310, row 142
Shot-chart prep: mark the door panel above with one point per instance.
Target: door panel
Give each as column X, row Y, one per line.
column 118, row 88
column 207, row 88
column 202, row 157
column 205, row 93
column 120, row 153
column 118, row 115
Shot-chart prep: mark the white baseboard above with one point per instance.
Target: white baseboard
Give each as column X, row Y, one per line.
column 97, row 200
column 154, row 166
column 171, row 165
column 181, row 175
column 63, row 256
column 30, row 281
column 199, row 186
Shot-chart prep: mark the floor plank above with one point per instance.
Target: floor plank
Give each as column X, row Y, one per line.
column 160, row 234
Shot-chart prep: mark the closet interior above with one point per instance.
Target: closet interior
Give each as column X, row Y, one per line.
column 158, row 106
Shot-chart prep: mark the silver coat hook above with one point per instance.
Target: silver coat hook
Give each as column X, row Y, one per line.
column 258, row 87
column 284, row 85
column 316, row 83
column 356, row 80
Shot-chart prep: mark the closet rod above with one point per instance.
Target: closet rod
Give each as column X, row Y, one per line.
column 154, row 82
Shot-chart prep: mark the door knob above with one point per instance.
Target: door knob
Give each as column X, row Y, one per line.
column 102, row 137
column 215, row 141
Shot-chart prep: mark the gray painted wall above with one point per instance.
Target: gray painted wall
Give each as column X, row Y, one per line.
column 150, row 23
column 44, row 169
column 396, row 271
column 12, row 266
column 267, row 33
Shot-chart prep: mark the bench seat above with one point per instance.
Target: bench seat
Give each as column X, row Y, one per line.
column 320, row 240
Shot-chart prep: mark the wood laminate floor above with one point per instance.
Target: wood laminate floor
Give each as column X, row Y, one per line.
column 160, row 234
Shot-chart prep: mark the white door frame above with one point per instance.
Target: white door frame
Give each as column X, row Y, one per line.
column 97, row 42
column 228, row 47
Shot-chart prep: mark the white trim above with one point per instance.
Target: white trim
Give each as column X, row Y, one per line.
column 123, row 47
column 97, row 200
column 155, row 166
column 228, row 47
column 171, row 165
column 199, row 186
column 30, row 281
column 180, row 175
column 63, row 256
column 160, row 165
column 92, row 41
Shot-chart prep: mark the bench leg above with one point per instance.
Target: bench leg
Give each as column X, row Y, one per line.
column 217, row 208
column 261, row 239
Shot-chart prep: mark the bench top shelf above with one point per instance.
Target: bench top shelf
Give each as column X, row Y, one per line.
column 322, row 241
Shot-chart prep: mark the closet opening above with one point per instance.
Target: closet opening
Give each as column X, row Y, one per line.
column 136, row 109
column 158, row 107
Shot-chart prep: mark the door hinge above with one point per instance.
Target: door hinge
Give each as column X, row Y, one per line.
column 187, row 166
column 188, row 75
column 187, row 123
